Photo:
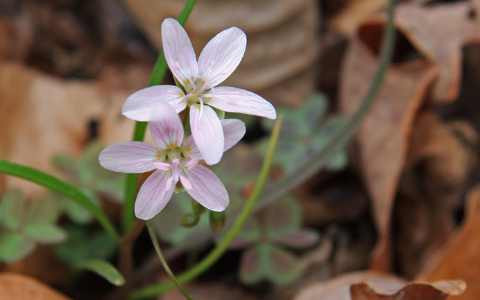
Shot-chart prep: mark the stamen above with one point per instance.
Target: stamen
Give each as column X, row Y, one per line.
column 161, row 166
column 191, row 163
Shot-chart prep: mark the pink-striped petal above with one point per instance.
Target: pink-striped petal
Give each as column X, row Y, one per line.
column 178, row 50
column 166, row 126
column 129, row 157
column 206, row 188
column 192, row 149
column 140, row 104
column 207, row 133
column 237, row 100
column 153, row 195
column 233, row 132
column 222, row 55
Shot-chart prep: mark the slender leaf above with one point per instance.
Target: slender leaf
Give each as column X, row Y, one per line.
column 61, row 187
column 104, row 269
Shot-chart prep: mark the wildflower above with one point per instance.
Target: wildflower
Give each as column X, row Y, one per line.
column 174, row 161
column 196, row 82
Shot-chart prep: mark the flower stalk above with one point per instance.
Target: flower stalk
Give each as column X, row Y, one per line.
column 153, row 236
column 222, row 247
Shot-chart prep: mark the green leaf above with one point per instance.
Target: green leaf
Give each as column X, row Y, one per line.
column 12, row 209
column 104, row 269
column 314, row 109
column 42, row 210
column 75, row 212
column 44, row 233
column 283, row 266
column 167, row 221
column 339, row 161
column 268, row 262
column 283, row 217
column 65, row 164
column 61, row 187
column 81, row 246
column 14, row 247
column 248, row 235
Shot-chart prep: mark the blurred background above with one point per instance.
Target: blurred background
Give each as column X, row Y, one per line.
column 400, row 198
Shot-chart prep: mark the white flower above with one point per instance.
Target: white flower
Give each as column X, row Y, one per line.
column 174, row 161
column 197, row 86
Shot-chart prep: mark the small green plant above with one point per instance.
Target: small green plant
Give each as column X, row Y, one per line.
column 266, row 239
column 24, row 224
column 306, row 131
column 86, row 174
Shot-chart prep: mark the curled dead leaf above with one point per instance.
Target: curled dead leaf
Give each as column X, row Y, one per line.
column 383, row 136
column 413, row 291
column 339, row 288
column 460, row 257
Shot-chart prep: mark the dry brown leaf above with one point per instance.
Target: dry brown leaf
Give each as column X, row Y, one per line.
column 440, row 32
column 20, row 287
column 208, row 292
column 41, row 264
column 43, row 116
column 354, row 14
column 413, row 291
column 433, row 180
column 461, row 256
column 383, row 136
column 339, row 288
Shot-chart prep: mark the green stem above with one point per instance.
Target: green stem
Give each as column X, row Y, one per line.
column 60, row 187
column 317, row 162
column 157, row 76
column 153, row 236
column 216, row 253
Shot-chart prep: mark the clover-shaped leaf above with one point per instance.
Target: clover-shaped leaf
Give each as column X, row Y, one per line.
column 278, row 226
column 12, row 209
column 14, row 247
column 167, row 222
column 236, row 176
column 265, row 261
column 23, row 224
column 282, row 218
column 86, row 174
column 305, row 133
column 82, row 246
column 249, row 235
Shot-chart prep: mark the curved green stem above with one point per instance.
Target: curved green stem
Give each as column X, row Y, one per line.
column 222, row 247
column 158, row 73
column 60, row 187
column 317, row 162
column 153, row 236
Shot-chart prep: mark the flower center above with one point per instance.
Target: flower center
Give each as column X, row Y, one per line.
column 198, row 91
